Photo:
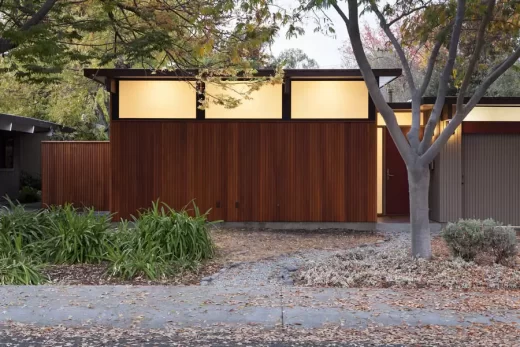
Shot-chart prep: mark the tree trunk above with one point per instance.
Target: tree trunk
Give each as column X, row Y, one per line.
column 419, row 183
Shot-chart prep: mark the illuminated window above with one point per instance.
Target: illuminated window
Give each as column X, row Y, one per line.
column 265, row 103
column 494, row 114
column 157, row 99
column 329, row 100
column 403, row 118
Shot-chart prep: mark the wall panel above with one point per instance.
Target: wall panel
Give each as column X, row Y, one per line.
column 248, row 171
column 77, row 173
column 491, row 182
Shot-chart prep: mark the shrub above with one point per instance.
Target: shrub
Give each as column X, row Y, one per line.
column 30, row 180
column 29, row 225
column 501, row 242
column 16, row 267
column 136, row 259
column 159, row 241
column 178, row 235
column 464, row 238
column 467, row 238
column 75, row 237
column 28, row 195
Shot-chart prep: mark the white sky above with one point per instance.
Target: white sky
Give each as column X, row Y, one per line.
column 322, row 48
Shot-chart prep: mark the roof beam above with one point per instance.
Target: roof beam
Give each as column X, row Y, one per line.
column 6, row 126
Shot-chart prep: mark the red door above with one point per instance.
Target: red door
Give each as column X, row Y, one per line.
column 396, row 179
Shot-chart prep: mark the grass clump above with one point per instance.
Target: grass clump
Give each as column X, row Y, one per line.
column 75, row 237
column 156, row 244
column 160, row 241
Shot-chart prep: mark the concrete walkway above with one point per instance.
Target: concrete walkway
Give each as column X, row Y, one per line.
column 157, row 307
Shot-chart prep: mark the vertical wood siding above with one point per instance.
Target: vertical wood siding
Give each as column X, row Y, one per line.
column 491, row 177
column 77, row 173
column 247, row 171
column 446, row 180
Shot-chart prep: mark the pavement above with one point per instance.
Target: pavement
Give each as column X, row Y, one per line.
column 31, row 315
column 156, row 307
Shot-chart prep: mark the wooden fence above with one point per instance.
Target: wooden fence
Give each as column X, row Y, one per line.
column 76, row 172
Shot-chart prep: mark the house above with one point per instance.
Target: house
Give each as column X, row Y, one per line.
column 20, row 139
column 311, row 149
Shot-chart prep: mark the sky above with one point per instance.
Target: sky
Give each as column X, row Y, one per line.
column 324, row 49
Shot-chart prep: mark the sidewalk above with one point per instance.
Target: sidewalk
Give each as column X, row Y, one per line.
column 158, row 307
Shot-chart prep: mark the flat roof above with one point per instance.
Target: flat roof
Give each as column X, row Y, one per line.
column 101, row 75
column 9, row 122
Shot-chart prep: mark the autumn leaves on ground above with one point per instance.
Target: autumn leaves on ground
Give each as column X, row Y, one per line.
column 475, row 269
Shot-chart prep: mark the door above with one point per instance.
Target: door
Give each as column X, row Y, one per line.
column 395, row 178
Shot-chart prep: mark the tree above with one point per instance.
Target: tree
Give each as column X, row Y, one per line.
column 46, row 43
column 484, row 33
column 293, row 58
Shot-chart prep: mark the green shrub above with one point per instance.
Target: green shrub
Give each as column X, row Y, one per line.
column 29, row 195
column 160, row 241
column 16, row 267
column 20, row 270
column 16, row 221
column 30, row 180
column 178, row 235
column 74, row 236
column 464, row 238
column 469, row 237
column 501, row 242
column 135, row 258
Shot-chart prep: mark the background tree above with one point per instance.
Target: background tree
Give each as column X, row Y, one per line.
column 293, row 58
column 45, row 45
column 484, row 33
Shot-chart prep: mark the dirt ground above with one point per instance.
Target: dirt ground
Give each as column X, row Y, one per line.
column 238, row 245
column 233, row 245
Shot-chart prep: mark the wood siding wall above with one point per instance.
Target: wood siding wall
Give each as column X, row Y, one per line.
column 76, row 172
column 247, row 171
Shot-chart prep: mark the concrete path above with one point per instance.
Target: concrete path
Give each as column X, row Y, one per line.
column 158, row 307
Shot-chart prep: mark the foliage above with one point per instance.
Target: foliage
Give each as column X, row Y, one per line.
column 75, row 237
column 500, row 241
column 29, row 195
column 19, row 231
column 465, row 238
column 30, row 180
column 469, row 237
column 160, row 240
column 16, row 222
column 19, row 269
column 293, row 58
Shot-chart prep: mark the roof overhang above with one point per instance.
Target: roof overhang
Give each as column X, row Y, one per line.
column 28, row 125
column 104, row 75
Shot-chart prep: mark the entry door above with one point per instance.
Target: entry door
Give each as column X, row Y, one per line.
column 396, row 178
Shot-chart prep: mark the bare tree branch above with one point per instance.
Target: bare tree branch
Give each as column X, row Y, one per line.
column 386, row 111
column 476, row 54
column 445, row 77
column 431, row 65
column 461, row 114
column 399, row 49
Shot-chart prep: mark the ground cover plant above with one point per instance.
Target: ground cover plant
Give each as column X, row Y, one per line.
column 157, row 243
